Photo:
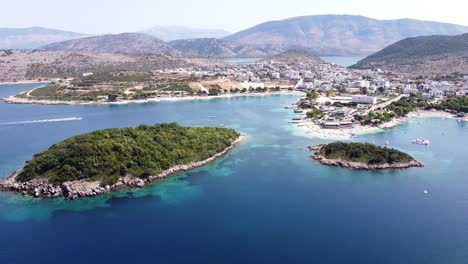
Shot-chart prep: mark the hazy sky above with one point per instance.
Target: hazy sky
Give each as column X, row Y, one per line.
column 105, row 16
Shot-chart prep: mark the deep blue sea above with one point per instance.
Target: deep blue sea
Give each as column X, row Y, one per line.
column 265, row 202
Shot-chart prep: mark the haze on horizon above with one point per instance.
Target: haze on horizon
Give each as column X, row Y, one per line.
column 114, row 16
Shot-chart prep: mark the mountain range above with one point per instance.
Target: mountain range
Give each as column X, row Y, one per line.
column 339, row 34
column 33, row 37
column 422, row 55
column 169, row 33
column 129, row 43
column 211, row 47
column 334, row 35
column 136, row 43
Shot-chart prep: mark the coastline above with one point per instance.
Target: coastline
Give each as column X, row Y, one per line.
column 15, row 100
column 24, row 82
column 348, row 133
column 73, row 190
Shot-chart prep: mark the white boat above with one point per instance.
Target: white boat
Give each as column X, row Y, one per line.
column 387, row 143
column 426, row 191
column 421, row 142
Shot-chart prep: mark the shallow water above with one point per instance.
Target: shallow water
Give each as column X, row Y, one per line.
column 265, row 202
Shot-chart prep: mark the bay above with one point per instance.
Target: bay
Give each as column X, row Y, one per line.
column 265, row 202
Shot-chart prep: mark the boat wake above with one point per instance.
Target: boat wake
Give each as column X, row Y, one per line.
column 41, row 121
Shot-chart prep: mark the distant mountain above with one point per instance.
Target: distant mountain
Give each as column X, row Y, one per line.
column 33, row 37
column 210, row 47
column 340, row 34
column 129, row 43
column 294, row 56
column 169, row 33
column 422, row 55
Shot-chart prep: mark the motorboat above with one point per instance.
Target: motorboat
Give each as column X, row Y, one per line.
column 421, row 142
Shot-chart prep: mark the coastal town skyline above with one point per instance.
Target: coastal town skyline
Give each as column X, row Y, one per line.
column 143, row 14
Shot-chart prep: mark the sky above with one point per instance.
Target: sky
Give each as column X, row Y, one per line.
column 116, row 16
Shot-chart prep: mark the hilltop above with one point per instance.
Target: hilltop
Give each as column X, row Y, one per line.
column 294, row 56
column 33, row 37
column 128, row 43
column 339, row 34
column 422, row 55
column 170, row 33
column 210, row 47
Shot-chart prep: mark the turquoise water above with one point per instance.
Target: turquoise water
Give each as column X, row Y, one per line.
column 265, row 202
column 342, row 61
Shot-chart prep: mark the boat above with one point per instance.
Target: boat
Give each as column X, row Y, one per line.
column 298, row 111
column 387, row 143
column 212, row 117
column 421, row 142
column 426, row 192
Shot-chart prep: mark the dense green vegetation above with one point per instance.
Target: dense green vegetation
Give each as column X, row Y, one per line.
column 312, row 95
column 407, row 104
column 114, row 77
column 375, row 118
column 109, row 154
column 179, row 88
column 364, row 152
column 315, row 114
column 459, row 104
column 62, row 93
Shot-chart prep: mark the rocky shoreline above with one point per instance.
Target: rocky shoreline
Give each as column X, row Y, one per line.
column 360, row 165
column 79, row 189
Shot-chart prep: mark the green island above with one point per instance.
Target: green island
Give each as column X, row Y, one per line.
column 104, row 160
column 363, row 156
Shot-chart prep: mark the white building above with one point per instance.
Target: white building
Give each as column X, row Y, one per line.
column 384, row 84
column 436, row 93
column 410, row 89
column 275, row 75
column 359, row 84
column 364, row 99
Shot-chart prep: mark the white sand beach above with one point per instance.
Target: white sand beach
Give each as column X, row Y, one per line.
column 16, row 100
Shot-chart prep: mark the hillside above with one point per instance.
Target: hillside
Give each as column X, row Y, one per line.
column 22, row 65
column 422, row 55
column 83, row 165
column 339, row 34
column 33, row 37
column 129, row 43
column 169, row 33
column 210, row 47
column 293, row 56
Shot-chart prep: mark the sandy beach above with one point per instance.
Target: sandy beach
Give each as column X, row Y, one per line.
column 16, row 100
column 314, row 130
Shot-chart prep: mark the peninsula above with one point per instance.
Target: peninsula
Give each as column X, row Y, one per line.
column 363, row 156
column 112, row 159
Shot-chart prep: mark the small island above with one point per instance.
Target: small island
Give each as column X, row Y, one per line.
column 111, row 159
column 363, row 156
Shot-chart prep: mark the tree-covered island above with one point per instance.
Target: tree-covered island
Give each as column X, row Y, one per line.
column 363, row 156
column 110, row 159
